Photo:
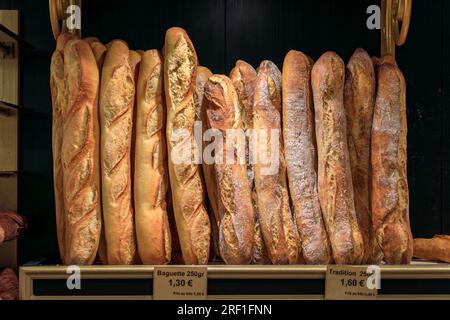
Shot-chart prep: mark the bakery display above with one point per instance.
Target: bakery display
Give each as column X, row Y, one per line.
column 301, row 158
column 334, row 171
column 116, row 105
column 277, row 225
column 359, row 102
column 436, row 249
column 158, row 161
column 192, row 220
column 150, row 171
column 390, row 194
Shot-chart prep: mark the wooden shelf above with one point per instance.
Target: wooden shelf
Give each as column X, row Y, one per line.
column 418, row 281
column 9, row 173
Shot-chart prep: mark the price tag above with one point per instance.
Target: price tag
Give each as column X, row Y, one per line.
column 180, row 283
column 349, row 283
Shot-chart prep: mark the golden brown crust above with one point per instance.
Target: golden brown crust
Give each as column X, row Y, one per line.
column 79, row 154
column 99, row 51
column 57, row 87
column 207, row 173
column 234, row 194
column 117, row 98
column 276, row 221
column 390, row 195
column 436, row 249
column 180, row 72
column 359, row 101
column 150, row 175
column 244, row 76
column 334, row 172
column 301, row 158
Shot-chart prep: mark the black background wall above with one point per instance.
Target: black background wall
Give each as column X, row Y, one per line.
column 252, row 30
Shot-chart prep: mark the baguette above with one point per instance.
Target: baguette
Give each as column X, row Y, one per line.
column 359, row 102
column 244, row 76
column 334, row 172
column 150, row 175
column 57, row 87
column 192, row 220
column 236, row 226
column 390, row 195
column 276, row 221
column 117, row 96
column 209, row 177
column 99, row 51
column 301, row 157
column 436, row 249
column 80, row 154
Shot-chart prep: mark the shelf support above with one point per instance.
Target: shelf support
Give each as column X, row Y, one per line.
column 59, row 15
column 394, row 13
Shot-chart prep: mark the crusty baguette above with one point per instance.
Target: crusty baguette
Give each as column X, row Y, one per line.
column 117, row 96
column 235, row 207
column 276, row 221
column 390, row 195
column 359, row 102
column 180, row 72
column 244, row 76
column 436, row 249
column 80, row 154
column 208, row 173
column 99, row 51
column 301, row 158
column 57, row 87
column 150, row 175
column 334, row 172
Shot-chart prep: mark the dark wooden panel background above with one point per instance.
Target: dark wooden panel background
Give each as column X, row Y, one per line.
column 253, row 30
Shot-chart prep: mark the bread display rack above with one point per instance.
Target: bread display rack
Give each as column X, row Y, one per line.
column 421, row 280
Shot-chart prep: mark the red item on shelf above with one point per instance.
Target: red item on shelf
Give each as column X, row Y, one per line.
column 12, row 225
column 9, row 285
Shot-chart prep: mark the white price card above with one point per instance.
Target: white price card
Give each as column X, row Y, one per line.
column 351, row 283
column 180, row 283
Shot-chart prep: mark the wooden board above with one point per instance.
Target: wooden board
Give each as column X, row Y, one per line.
column 9, row 92
column 9, row 148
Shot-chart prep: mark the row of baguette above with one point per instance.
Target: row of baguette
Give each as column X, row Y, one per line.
column 340, row 193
